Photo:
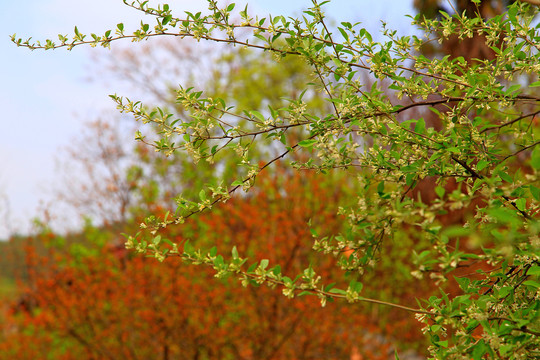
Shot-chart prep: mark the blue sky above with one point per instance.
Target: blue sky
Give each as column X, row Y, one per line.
column 46, row 96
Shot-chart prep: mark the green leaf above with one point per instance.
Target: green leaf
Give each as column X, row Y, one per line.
column 307, row 143
column 445, row 14
column 231, row 7
column 479, row 350
column 420, row 126
column 252, row 268
column 166, row 19
column 380, row 188
column 329, row 287
column 521, row 204
column 505, row 177
column 337, row 291
column 356, row 286
column 344, row 34
column 366, row 34
column 534, row 270
column 535, row 192
column 504, row 291
column 235, row 253
column 456, row 231
column 512, row 12
column 218, row 261
column 503, row 215
column 532, row 283
column 439, row 190
column 258, row 115
column 504, row 349
column 482, row 165
column 512, row 89
column 264, row 263
column 188, row 248
column 409, row 178
column 237, row 183
column 443, row 343
column 463, row 282
column 535, row 158
column 202, row 195
column 283, row 139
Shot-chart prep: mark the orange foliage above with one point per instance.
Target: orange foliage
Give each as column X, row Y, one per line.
column 118, row 306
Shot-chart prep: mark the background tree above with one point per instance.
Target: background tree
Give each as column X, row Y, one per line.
column 116, row 179
column 154, row 185
column 69, row 306
column 106, row 304
column 470, row 47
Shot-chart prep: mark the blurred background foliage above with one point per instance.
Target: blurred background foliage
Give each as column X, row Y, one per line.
column 82, row 296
